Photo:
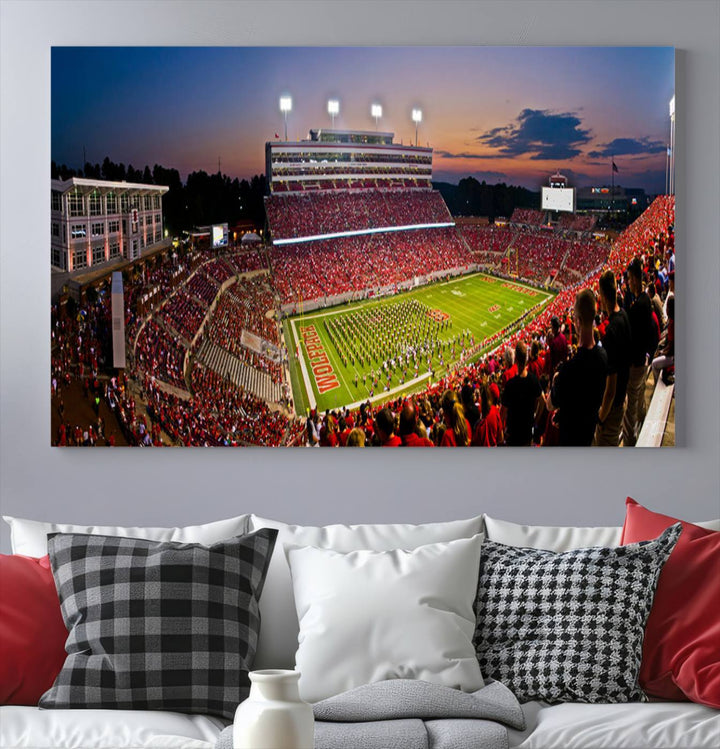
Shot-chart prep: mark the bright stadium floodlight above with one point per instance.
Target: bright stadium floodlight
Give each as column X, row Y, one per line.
column 285, row 107
column 333, row 109
column 376, row 112
column 417, row 119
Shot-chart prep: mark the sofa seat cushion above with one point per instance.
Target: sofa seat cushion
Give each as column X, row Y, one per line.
column 655, row 725
column 30, row 727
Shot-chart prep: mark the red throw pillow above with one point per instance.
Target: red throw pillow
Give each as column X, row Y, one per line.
column 681, row 650
column 32, row 632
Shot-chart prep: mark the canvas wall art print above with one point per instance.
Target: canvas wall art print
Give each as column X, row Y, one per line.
column 362, row 246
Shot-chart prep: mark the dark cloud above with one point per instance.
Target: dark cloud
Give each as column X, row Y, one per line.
column 462, row 155
column 539, row 133
column 628, row 147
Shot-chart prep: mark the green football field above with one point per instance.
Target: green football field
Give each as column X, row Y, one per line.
column 379, row 349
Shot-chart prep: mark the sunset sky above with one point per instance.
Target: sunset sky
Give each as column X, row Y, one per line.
column 503, row 114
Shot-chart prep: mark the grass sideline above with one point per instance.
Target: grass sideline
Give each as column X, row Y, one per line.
column 479, row 303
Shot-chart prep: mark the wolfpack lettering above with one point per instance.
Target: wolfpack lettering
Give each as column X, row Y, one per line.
column 322, row 370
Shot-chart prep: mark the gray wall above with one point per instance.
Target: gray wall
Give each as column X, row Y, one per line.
column 187, row 486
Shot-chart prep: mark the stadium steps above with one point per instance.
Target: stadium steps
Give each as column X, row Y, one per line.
column 228, row 366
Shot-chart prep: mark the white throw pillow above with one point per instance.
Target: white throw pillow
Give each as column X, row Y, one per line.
column 559, row 538
column 29, row 537
column 549, row 537
column 279, row 626
column 367, row 616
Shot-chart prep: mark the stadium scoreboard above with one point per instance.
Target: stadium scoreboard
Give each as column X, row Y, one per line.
column 558, row 199
column 219, row 235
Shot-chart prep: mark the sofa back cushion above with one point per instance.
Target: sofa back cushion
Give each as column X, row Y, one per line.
column 549, row 537
column 557, row 537
column 157, row 625
column 279, row 629
column 29, row 537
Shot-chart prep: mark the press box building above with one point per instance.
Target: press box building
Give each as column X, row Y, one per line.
column 95, row 222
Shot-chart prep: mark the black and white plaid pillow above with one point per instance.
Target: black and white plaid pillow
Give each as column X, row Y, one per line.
column 158, row 625
column 567, row 627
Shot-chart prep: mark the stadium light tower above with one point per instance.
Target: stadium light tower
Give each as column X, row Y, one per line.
column 285, row 107
column 333, row 109
column 376, row 112
column 417, row 119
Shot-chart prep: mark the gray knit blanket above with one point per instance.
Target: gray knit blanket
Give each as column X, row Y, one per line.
column 408, row 714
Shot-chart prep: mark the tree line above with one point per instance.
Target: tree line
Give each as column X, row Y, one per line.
column 202, row 200
column 216, row 198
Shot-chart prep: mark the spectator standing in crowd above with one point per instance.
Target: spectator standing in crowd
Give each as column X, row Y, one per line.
column 644, row 342
column 457, row 432
column 520, row 401
column 671, row 290
column 617, row 343
column 579, row 384
column 666, row 360
column 557, row 345
column 385, row 429
column 657, row 305
column 411, row 428
column 489, row 430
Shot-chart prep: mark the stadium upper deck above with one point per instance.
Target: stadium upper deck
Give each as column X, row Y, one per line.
column 342, row 159
column 345, row 182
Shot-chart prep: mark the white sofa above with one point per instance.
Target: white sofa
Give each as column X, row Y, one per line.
column 656, row 725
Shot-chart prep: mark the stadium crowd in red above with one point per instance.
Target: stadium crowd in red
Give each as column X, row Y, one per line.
column 465, row 407
column 354, row 264
column 327, row 212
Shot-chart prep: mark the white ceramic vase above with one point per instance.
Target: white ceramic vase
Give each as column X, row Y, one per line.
column 274, row 716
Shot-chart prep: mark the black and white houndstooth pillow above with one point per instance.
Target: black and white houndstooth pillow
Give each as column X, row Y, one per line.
column 157, row 625
column 567, row 627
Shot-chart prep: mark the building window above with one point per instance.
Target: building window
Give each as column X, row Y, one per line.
column 76, row 204
column 111, row 202
column 56, row 202
column 158, row 218
column 135, row 252
column 134, row 201
column 96, row 204
column 56, row 230
column 124, row 226
column 79, row 259
column 124, row 203
column 156, row 201
column 98, row 230
column 57, row 256
column 77, row 231
column 115, row 250
column 98, row 254
column 141, row 221
column 158, row 235
column 113, row 227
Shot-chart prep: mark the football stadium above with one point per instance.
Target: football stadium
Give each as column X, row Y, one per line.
column 365, row 314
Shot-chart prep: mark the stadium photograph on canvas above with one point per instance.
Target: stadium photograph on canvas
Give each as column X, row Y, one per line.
column 363, row 246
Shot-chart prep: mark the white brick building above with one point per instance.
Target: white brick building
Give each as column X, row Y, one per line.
column 94, row 222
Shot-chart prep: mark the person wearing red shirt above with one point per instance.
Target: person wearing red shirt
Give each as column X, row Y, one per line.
column 457, row 433
column 410, row 429
column 557, row 345
column 489, row 430
column 385, row 429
